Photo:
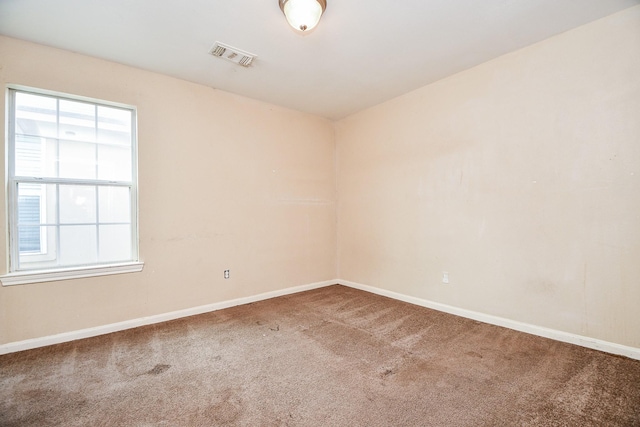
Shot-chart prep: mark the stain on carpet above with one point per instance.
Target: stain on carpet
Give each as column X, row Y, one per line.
column 158, row 369
column 387, row 372
column 227, row 411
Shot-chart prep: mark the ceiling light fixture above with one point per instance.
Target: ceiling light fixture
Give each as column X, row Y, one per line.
column 303, row 15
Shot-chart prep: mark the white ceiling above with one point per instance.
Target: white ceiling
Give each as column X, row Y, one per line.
column 363, row 52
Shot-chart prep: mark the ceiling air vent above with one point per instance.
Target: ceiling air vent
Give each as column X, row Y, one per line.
column 232, row 54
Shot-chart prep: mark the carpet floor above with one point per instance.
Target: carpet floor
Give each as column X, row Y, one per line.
column 334, row 356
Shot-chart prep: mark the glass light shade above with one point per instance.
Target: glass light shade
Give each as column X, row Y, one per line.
column 303, row 15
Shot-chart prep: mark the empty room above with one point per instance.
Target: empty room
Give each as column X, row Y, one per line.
column 320, row 213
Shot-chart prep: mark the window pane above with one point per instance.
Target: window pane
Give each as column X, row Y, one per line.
column 77, row 160
column 29, row 210
column 114, row 163
column 77, row 204
column 35, row 156
column 45, row 255
column 114, row 126
column 29, row 156
column 29, row 238
column 36, row 115
column 37, row 242
column 78, row 245
column 42, row 196
column 114, row 204
column 77, row 121
column 115, row 243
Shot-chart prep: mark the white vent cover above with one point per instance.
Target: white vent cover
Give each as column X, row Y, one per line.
column 232, row 54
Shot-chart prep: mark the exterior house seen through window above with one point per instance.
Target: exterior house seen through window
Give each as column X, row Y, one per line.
column 72, row 198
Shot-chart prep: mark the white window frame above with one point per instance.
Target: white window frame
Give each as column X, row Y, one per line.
column 18, row 277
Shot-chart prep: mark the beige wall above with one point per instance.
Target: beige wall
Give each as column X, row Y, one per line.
column 519, row 177
column 225, row 183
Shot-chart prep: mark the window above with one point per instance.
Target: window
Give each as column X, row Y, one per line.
column 72, row 199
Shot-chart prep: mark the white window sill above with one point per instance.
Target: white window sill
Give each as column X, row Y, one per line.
column 39, row 276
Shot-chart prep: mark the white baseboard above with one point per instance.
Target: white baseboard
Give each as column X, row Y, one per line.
column 134, row 323
column 609, row 347
column 592, row 343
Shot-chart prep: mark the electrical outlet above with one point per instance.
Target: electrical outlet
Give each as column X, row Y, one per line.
column 226, row 274
column 445, row 277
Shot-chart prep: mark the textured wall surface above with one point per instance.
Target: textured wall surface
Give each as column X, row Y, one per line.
column 519, row 177
column 225, row 183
